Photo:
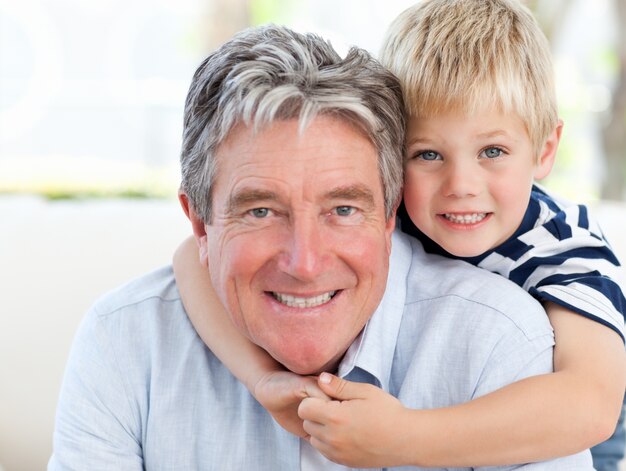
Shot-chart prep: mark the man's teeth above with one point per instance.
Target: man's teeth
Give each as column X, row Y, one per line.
column 465, row 218
column 295, row 301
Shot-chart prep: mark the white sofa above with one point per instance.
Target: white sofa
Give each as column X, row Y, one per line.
column 57, row 258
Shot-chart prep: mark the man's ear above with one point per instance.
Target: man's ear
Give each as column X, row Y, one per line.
column 390, row 225
column 548, row 152
column 197, row 225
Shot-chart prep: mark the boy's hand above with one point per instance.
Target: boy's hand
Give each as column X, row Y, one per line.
column 280, row 393
column 362, row 428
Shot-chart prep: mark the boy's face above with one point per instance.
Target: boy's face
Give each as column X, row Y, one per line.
column 468, row 178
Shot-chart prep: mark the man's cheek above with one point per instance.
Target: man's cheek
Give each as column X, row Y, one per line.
column 232, row 269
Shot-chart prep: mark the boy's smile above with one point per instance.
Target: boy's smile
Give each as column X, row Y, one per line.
column 468, row 178
column 464, row 221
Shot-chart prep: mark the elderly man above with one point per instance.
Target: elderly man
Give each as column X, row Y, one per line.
column 291, row 174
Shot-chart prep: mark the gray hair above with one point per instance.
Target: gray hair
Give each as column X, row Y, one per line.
column 271, row 73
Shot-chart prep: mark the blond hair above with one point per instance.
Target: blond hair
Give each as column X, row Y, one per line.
column 468, row 55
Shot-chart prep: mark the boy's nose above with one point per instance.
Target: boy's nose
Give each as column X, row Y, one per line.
column 461, row 180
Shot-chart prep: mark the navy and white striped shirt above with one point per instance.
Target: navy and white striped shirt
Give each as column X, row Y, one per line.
column 557, row 254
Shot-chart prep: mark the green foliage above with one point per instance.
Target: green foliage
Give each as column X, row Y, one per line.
column 58, row 194
column 266, row 11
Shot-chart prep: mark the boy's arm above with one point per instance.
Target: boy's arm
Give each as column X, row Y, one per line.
column 206, row 313
column 278, row 390
column 549, row 415
column 544, row 416
column 593, row 358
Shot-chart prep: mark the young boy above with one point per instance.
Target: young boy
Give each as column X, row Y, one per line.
column 482, row 127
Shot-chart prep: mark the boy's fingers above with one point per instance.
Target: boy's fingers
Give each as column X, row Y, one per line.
column 312, row 409
column 311, row 389
column 338, row 388
column 313, row 429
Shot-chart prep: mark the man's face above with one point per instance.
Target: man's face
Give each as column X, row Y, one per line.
column 298, row 246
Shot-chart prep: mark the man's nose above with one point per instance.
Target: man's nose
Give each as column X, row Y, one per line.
column 462, row 179
column 303, row 255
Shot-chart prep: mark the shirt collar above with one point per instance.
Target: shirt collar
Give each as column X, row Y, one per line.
column 373, row 350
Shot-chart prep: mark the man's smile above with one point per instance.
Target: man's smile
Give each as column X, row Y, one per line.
column 303, row 302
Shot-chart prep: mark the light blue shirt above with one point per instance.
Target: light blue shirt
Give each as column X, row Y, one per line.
column 141, row 390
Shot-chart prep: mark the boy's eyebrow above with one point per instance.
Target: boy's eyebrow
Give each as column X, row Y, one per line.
column 418, row 140
column 494, row 133
column 247, row 196
column 357, row 192
column 485, row 135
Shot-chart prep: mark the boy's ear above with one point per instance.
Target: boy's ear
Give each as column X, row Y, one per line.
column 548, row 152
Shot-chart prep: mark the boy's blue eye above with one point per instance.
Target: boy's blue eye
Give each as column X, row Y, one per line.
column 492, row 152
column 428, row 155
column 259, row 212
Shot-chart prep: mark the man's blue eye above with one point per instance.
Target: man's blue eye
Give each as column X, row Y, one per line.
column 259, row 212
column 492, row 152
column 429, row 155
column 344, row 210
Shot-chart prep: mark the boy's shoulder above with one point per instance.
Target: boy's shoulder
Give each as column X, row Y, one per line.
column 549, row 219
column 545, row 206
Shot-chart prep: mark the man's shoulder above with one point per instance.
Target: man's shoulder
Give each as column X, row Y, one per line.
column 158, row 286
column 434, row 277
column 143, row 325
column 140, row 311
column 433, row 274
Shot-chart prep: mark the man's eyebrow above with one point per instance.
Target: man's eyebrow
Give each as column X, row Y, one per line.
column 248, row 196
column 353, row 193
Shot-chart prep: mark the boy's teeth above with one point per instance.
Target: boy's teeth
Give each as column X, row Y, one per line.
column 294, row 301
column 465, row 218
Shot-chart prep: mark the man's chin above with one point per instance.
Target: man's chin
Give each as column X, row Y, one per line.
column 309, row 366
